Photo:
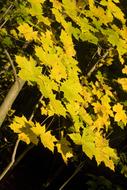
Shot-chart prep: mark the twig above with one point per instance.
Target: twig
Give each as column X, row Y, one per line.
column 12, row 160
column 73, row 175
column 95, row 65
column 12, row 64
column 8, row 9
column 1, row 26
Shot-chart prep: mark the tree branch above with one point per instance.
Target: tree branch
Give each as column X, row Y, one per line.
column 12, row 94
column 12, row 160
column 97, row 63
column 10, row 98
column 12, row 64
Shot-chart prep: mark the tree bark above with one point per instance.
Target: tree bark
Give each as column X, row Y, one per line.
column 10, row 98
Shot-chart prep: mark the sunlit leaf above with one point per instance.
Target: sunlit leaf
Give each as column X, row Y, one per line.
column 28, row 71
column 64, row 148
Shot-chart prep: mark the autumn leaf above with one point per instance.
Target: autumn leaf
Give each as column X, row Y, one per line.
column 23, row 128
column 68, row 44
column 120, row 114
column 124, row 70
column 116, row 11
column 28, row 32
column 93, row 144
column 104, row 153
column 47, row 139
column 88, row 142
column 76, row 137
column 71, row 89
column 29, row 71
column 58, row 72
column 64, row 148
column 23, row 137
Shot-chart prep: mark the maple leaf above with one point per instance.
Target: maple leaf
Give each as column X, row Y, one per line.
column 76, row 137
column 28, row 32
column 47, row 139
column 93, row 144
column 23, row 127
column 71, row 89
column 23, row 137
column 124, row 70
column 64, row 148
column 68, row 44
column 123, row 82
column 104, row 153
column 120, row 113
column 58, row 72
column 28, row 71
column 88, row 142
column 116, row 11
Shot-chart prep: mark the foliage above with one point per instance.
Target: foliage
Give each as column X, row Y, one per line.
column 91, row 102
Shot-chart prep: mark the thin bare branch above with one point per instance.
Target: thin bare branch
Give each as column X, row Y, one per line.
column 73, row 175
column 12, row 160
column 97, row 63
column 8, row 9
column 1, row 26
column 12, row 64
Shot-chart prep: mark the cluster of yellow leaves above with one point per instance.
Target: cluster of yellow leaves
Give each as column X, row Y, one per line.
column 29, row 132
column 56, row 54
column 95, row 145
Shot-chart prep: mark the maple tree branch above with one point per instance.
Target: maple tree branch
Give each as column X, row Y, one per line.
column 80, row 166
column 12, row 161
column 12, row 94
column 96, row 64
column 12, row 64
column 10, row 98
column 8, row 9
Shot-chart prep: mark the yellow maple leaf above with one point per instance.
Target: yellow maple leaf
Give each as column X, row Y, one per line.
column 47, row 139
column 63, row 147
column 120, row 113
column 24, row 137
column 123, row 82
column 28, row 32
column 101, row 122
column 104, row 153
column 28, row 71
column 124, row 70
column 18, row 124
column 91, row 3
column 23, row 127
column 58, row 72
column 116, row 11
column 68, row 44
